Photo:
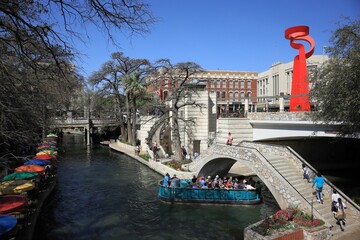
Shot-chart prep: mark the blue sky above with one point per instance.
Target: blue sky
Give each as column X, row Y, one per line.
column 223, row 35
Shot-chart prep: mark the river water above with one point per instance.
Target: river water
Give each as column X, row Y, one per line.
column 103, row 194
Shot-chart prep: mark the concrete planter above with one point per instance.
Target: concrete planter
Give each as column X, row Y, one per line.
column 317, row 233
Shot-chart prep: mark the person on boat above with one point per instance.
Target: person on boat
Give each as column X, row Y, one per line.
column 249, row 187
column 167, row 180
column 202, row 181
column 175, row 182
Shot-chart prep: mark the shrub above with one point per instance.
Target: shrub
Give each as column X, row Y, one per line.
column 285, row 219
column 145, row 156
column 177, row 165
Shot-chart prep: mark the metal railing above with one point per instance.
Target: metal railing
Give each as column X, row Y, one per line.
column 184, row 194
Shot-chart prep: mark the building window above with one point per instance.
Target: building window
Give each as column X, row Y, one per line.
column 242, row 96
column 231, row 84
column 249, row 85
column 231, row 95
column 217, row 83
column 165, row 94
column 236, row 97
column 223, row 95
column 236, row 84
column 242, row 85
column 218, row 94
column 212, row 83
column 166, row 83
column 275, row 84
column 223, row 83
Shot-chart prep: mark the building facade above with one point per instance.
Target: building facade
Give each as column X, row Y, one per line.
column 231, row 88
column 277, row 81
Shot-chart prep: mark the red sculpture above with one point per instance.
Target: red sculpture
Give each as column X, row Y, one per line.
column 299, row 101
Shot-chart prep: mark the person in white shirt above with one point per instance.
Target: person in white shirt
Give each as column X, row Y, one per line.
column 334, row 200
column 249, row 187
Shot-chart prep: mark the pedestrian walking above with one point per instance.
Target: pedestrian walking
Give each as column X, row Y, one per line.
column 306, row 173
column 230, row 139
column 340, row 214
column 319, row 182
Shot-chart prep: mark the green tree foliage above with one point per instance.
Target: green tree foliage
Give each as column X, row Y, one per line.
column 122, row 78
column 337, row 83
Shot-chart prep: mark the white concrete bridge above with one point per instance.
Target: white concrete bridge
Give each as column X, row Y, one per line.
column 280, row 169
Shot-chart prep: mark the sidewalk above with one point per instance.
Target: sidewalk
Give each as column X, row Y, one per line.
column 156, row 166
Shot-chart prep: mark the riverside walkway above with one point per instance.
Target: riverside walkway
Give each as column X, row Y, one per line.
column 282, row 165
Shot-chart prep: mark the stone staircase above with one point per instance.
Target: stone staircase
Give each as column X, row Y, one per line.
column 240, row 128
column 291, row 173
column 286, row 163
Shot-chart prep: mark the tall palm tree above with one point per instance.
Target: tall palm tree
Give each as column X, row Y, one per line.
column 135, row 88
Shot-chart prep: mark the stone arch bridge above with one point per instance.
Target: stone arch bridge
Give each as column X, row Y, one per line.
column 280, row 169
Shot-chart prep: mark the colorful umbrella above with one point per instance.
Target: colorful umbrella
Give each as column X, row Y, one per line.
column 7, row 223
column 39, row 162
column 16, row 186
column 13, row 203
column 20, row 176
column 30, row 168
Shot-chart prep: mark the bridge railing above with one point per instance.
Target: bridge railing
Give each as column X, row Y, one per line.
column 349, row 201
column 254, row 148
column 299, row 161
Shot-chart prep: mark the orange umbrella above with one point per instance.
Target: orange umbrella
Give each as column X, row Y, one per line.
column 45, row 156
column 30, row 168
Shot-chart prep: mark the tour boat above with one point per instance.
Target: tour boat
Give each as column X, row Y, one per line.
column 13, row 203
column 202, row 195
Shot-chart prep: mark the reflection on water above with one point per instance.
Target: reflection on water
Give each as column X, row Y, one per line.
column 102, row 194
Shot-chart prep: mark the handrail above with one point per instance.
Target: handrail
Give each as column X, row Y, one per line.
column 326, row 180
column 209, row 194
column 238, row 145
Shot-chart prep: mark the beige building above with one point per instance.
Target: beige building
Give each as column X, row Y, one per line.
column 277, row 81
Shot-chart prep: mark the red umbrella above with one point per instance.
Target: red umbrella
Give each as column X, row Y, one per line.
column 12, row 203
column 30, row 168
column 45, row 157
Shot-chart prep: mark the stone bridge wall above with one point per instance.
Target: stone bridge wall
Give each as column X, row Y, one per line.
column 283, row 192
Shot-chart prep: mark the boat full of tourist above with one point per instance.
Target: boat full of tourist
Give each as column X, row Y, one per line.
column 211, row 191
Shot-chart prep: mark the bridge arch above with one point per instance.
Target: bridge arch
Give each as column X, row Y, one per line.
column 219, row 159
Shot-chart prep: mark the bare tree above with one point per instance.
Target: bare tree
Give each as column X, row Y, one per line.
column 179, row 78
column 111, row 80
column 36, row 71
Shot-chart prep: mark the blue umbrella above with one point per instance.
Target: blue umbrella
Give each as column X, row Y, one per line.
column 7, row 223
column 39, row 162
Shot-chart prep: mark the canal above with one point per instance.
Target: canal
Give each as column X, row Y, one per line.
column 103, row 194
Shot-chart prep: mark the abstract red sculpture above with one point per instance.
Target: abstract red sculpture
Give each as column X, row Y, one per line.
column 299, row 100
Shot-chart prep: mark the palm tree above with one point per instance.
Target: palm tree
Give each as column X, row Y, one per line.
column 135, row 88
